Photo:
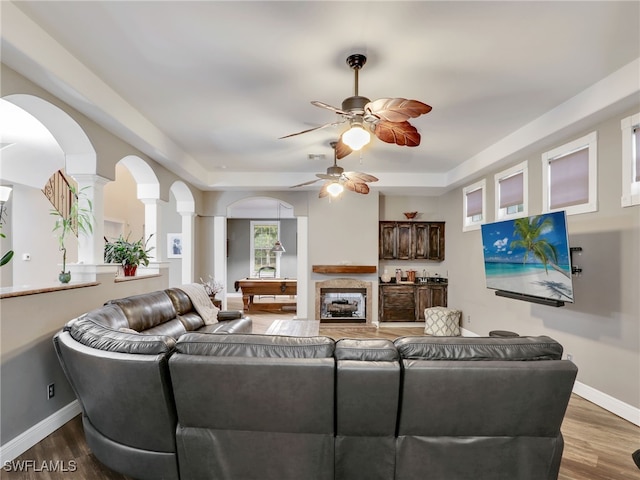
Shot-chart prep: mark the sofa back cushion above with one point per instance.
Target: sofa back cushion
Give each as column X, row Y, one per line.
column 88, row 331
column 146, row 310
column 259, row 346
column 184, row 309
column 479, row 348
column 122, row 383
column 245, row 400
column 367, row 395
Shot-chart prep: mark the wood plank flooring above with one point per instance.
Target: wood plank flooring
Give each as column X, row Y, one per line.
column 598, row 444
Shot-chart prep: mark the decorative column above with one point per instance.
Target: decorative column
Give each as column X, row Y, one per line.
column 91, row 244
column 188, row 246
column 152, row 227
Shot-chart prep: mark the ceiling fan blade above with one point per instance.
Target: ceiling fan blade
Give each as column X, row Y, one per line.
column 396, row 109
column 330, row 107
column 305, row 183
column 359, row 177
column 323, row 191
column 332, row 124
column 400, row 133
column 356, row 187
column 342, row 149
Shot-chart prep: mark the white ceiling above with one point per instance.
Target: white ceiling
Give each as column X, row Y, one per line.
column 206, row 88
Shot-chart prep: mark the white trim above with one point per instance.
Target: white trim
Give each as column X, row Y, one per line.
column 469, row 225
column 591, row 142
column 630, row 188
column 609, row 403
column 23, row 442
column 523, row 168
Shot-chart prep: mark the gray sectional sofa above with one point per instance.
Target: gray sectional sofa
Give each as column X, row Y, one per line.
column 238, row 406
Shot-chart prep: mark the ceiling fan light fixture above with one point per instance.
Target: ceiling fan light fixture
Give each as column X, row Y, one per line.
column 356, row 137
column 335, row 189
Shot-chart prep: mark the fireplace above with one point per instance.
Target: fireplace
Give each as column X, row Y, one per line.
column 343, row 301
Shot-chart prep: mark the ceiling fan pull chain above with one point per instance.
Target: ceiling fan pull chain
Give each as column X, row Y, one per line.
column 360, row 157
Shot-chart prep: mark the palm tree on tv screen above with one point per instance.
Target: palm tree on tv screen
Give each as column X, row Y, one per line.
column 530, row 231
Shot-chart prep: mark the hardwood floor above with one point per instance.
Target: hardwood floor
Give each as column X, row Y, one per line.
column 598, row 444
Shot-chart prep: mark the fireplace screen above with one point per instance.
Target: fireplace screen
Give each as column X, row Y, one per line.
column 343, row 304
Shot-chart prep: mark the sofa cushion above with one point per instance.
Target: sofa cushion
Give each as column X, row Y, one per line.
column 373, row 350
column 479, row 348
column 146, row 310
column 110, row 316
column 95, row 335
column 264, row 346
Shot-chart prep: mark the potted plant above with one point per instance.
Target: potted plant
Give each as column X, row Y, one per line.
column 212, row 287
column 128, row 254
column 80, row 217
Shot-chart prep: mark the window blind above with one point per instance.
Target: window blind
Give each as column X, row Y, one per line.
column 569, row 179
column 511, row 190
column 474, row 203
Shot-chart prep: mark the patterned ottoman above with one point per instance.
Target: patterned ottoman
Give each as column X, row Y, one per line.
column 442, row 322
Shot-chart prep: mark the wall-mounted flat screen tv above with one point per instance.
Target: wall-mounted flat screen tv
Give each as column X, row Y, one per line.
column 529, row 258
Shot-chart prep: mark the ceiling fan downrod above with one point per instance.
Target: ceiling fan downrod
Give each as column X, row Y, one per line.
column 356, row 103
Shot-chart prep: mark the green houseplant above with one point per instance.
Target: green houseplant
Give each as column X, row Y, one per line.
column 128, row 254
column 79, row 219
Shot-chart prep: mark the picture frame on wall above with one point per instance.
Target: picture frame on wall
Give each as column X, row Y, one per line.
column 174, row 245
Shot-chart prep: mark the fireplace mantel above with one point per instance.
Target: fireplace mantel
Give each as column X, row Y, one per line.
column 340, row 269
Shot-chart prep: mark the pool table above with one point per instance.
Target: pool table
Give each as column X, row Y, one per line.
column 266, row 286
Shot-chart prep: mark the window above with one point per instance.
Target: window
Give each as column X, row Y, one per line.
column 512, row 192
column 630, row 160
column 474, row 206
column 263, row 235
column 569, row 177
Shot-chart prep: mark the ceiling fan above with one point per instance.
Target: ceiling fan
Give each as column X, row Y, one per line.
column 387, row 118
column 336, row 179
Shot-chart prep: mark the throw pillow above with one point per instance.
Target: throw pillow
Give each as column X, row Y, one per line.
column 441, row 321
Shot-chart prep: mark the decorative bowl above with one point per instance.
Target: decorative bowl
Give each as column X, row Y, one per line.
column 410, row 215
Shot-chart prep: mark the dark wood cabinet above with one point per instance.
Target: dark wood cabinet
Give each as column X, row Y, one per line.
column 406, row 303
column 397, row 303
column 411, row 241
column 428, row 296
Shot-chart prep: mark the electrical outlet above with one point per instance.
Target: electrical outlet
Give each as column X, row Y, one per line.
column 468, row 318
column 570, row 357
column 51, row 391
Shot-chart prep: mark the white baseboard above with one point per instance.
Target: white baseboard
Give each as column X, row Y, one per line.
column 23, row 442
column 604, row 400
column 613, row 405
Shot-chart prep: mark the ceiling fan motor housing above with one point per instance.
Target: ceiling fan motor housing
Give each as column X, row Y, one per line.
column 355, row 104
column 335, row 170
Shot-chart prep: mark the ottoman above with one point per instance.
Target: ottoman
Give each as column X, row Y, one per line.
column 442, row 322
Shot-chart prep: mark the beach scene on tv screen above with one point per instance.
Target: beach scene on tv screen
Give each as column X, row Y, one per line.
column 529, row 255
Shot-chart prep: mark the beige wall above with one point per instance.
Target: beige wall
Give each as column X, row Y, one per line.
column 602, row 328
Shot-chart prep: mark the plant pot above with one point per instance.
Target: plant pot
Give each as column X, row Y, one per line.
column 129, row 270
column 64, row 277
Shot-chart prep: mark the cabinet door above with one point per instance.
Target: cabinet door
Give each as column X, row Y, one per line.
column 387, row 241
column 403, row 251
column 423, row 300
column 436, row 241
column 430, row 296
column 420, row 241
column 397, row 304
column 438, row 296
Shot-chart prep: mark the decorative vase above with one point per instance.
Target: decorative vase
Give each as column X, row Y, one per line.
column 64, row 277
column 129, row 270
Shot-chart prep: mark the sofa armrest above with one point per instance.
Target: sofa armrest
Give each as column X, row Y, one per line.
column 224, row 315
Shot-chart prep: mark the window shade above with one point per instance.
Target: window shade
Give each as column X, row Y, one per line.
column 474, row 203
column 569, row 179
column 636, row 143
column 511, row 190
